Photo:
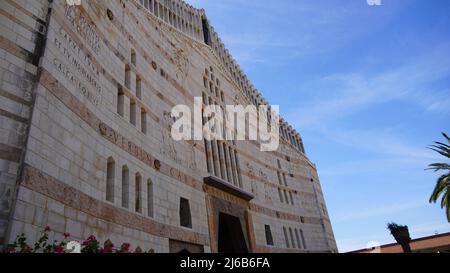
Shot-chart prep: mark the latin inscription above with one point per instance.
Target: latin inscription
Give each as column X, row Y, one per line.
column 84, row 27
column 63, row 69
column 80, row 62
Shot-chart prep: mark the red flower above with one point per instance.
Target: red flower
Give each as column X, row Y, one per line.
column 92, row 238
column 59, row 249
column 66, row 234
column 85, row 243
column 47, row 228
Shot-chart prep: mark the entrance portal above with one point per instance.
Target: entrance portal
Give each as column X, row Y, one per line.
column 231, row 235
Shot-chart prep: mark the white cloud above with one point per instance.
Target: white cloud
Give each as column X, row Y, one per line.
column 342, row 95
column 381, row 141
column 379, row 210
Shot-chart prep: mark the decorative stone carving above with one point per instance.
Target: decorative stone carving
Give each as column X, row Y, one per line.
column 168, row 147
column 154, row 65
column 110, row 14
column 267, row 193
column 157, row 164
column 181, row 63
column 192, row 162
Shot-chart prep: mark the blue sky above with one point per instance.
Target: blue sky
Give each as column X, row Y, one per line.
column 368, row 87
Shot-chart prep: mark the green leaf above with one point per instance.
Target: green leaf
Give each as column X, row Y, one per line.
column 441, row 185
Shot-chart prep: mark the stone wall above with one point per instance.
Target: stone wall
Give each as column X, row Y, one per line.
column 110, row 74
column 22, row 30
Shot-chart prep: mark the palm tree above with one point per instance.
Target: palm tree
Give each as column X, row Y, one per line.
column 401, row 235
column 443, row 183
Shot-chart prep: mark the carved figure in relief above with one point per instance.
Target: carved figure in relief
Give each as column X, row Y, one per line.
column 169, row 147
column 263, row 175
column 181, row 62
column 267, row 193
column 192, row 163
column 253, row 183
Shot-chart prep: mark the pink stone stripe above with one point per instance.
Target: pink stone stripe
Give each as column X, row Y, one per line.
column 42, row 183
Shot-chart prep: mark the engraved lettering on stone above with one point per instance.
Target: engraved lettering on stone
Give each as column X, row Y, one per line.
column 64, row 70
column 84, row 27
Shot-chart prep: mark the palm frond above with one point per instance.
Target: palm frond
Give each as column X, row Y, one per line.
column 448, row 138
column 439, row 189
column 443, row 183
column 445, row 204
column 444, row 200
column 448, row 213
column 437, row 143
column 439, row 166
column 440, row 151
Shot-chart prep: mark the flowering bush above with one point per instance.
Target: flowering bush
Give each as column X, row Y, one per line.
column 90, row 245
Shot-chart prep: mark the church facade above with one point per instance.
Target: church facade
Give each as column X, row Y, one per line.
column 87, row 89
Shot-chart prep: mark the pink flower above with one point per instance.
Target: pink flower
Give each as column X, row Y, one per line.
column 66, row 234
column 47, row 228
column 85, row 243
column 59, row 249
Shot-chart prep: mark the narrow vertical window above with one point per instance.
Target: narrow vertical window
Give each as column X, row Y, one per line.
column 150, row 198
column 127, row 76
column 185, row 213
column 303, row 239
column 238, row 169
column 110, row 178
column 138, row 87
column 221, row 160
column 269, row 238
column 286, row 197
column 143, row 121
column 279, row 178
column 215, row 158
column 120, row 101
column 292, row 198
column 233, row 166
column 133, row 112
column 291, row 234
column 133, row 57
column 138, row 193
column 280, row 195
column 125, row 187
column 208, row 156
column 227, row 163
column 286, row 237
column 297, row 239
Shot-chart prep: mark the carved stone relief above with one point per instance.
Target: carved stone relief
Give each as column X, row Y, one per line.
column 168, row 147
